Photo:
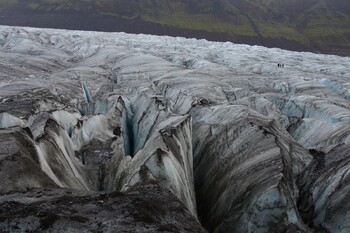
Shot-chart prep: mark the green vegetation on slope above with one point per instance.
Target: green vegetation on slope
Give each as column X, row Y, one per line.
column 202, row 22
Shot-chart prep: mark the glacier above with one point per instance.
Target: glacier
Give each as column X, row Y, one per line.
column 225, row 139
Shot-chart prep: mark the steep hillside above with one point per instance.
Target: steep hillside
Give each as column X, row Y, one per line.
column 315, row 25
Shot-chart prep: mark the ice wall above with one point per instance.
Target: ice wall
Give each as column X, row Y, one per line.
column 244, row 144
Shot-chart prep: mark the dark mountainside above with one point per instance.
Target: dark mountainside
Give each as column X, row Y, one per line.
column 302, row 25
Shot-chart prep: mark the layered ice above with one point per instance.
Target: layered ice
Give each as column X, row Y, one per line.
column 245, row 145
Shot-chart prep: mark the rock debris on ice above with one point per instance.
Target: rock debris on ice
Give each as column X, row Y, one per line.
column 243, row 145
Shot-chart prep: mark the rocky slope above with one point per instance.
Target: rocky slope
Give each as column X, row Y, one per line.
column 146, row 208
column 301, row 25
column 165, row 133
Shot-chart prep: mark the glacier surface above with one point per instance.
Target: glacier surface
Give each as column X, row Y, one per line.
column 245, row 145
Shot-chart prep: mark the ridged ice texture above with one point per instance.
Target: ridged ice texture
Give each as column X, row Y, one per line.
column 246, row 145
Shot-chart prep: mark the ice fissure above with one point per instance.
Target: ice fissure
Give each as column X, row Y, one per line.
column 214, row 131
